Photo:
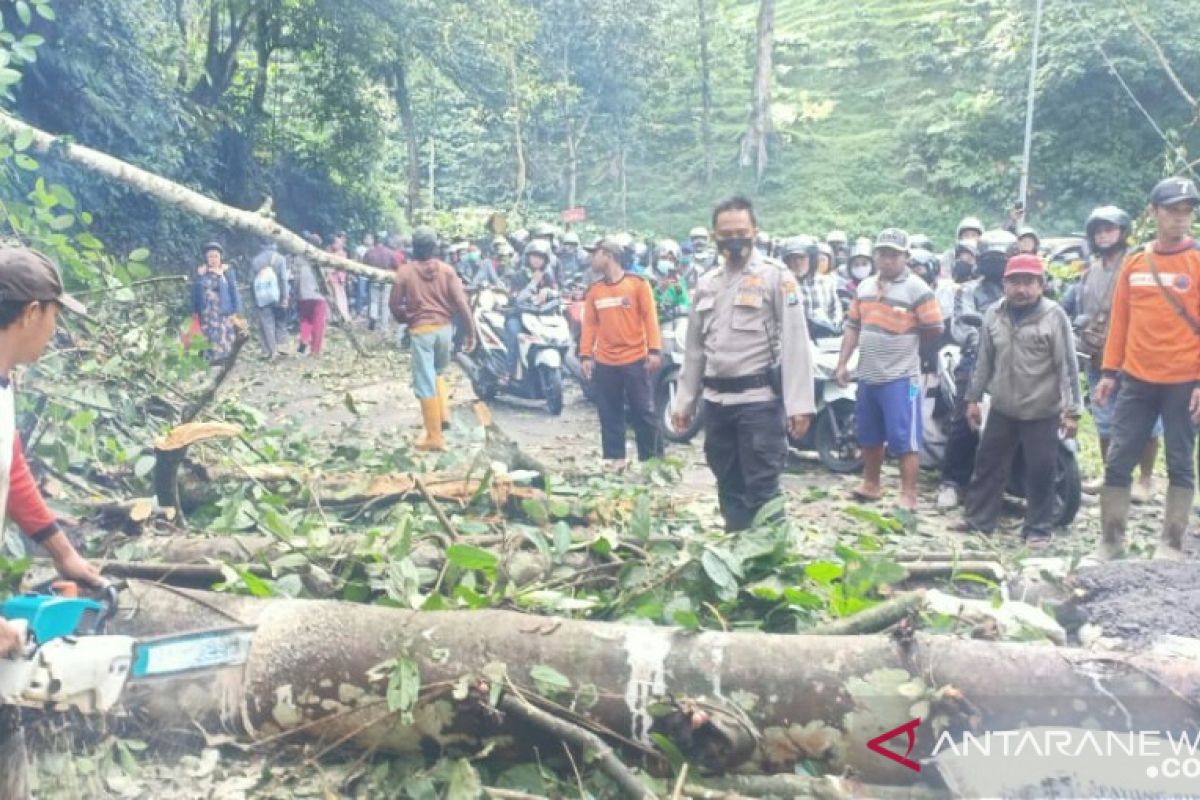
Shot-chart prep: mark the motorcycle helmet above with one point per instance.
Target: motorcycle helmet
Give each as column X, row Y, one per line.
column 834, row 238
column 668, row 248
column 543, row 230
column 919, row 241
column 826, row 252
column 570, row 239
column 862, row 260
column 1113, row 216
column 698, row 233
column 1026, row 231
column 538, row 247
column 995, row 248
column 925, row 265
column 969, row 224
column 797, row 246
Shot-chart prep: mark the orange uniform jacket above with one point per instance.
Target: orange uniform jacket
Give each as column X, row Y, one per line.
column 1147, row 338
column 620, row 322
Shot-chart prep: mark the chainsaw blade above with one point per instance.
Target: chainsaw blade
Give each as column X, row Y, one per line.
column 178, row 654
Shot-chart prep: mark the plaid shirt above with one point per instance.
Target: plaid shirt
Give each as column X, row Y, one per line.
column 820, row 299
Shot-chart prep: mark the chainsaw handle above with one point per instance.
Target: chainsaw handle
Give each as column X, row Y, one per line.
column 109, row 595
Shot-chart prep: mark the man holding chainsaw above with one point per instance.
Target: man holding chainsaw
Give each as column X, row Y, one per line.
column 31, row 295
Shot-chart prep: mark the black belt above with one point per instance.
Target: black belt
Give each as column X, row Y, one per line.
column 742, row 384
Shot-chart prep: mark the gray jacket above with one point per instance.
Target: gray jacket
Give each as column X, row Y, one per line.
column 270, row 255
column 1028, row 367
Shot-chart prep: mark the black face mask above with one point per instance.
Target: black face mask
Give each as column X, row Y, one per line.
column 963, row 271
column 992, row 269
column 736, row 249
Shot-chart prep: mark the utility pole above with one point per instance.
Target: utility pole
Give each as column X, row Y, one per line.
column 1033, row 67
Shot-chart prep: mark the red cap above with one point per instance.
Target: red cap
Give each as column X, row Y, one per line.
column 1025, row 264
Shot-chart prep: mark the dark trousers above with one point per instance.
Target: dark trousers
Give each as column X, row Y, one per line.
column 1139, row 404
column 961, row 445
column 1038, row 440
column 746, row 448
column 617, row 388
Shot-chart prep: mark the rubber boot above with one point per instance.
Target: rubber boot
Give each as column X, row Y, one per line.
column 1175, row 522
column 443, row 389
column 1114, row 515
column 431, row 412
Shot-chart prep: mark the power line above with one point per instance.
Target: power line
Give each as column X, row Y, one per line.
column 1112, row 68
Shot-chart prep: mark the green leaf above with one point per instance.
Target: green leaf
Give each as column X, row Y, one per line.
column 88, row 241
column 670, row 750
column 45, row 11
column 641, row 521
column 62, row 222
column 824, row 572
column 718, row 572
column 25, row 162
column 464, row 782
column 9, row 76
column 23, row 139
column 277, row 524
column 549, row 680
column 404, row 686
column 24, row 12
column 468, row 556
column 141, row 254
column 562, row 539
column 254, row 584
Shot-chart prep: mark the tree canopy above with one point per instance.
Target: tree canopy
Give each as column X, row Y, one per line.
column 371, row 114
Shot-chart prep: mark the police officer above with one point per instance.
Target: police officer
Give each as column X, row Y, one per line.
column 747, row 349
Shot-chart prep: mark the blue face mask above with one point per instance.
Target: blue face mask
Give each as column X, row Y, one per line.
column 664, row 267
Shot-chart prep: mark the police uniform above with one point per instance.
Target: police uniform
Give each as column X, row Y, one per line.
column 747, row 355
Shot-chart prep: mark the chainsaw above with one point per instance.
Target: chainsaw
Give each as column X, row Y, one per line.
column 69, row 661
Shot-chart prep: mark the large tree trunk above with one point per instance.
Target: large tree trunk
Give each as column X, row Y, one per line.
column 705, row 90
column 14, row 766
column 312, row 670
column 264, row 43
column 754, row 143
column 518, row 111
column 408, row 122
column 174, row 194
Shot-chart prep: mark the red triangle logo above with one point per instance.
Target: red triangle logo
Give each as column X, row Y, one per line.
column 910, row 728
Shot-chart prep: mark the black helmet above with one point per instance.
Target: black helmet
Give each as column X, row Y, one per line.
column 799, row 246
column 1113, row 216
column 538, row 247
column 925, row 264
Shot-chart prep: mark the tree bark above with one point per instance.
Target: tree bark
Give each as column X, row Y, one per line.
column 264, row 44
column 174, row 194
column 312, row 671
column 518, row 111
column 705, row 90
column 14, row 765
column 409, row 123
column 754, row 142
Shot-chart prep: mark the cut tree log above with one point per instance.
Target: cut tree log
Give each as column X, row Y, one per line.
column 170, row 450
column 313, row 665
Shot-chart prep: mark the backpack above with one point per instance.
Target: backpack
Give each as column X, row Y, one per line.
column 266, row 287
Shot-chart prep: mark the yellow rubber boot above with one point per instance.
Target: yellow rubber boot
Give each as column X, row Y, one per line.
column 431, row 412
column 443, row 389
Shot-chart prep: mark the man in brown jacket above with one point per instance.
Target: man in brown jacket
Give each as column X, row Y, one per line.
column 428, row 296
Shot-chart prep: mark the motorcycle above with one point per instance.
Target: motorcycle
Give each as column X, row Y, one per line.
column 941, row 399
column 674, row 339
column 544, row 342
column 833, row 433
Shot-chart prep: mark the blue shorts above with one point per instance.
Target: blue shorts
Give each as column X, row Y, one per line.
column 1102, row 415
column 890, row 413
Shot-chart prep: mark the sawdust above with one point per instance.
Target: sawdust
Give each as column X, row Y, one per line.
column 1137, row 601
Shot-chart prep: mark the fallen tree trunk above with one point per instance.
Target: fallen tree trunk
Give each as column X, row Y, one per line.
column 313, row 670
column 193, row 202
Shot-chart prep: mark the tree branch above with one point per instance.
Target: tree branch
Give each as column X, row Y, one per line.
column 1162, row 57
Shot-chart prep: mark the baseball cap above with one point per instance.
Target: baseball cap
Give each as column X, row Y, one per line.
column 1171, row 191
column 1025, row 264
column 610, row 244
column 27, row 276
column 892, row 239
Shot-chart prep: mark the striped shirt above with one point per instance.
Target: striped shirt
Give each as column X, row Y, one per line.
column 890, row 317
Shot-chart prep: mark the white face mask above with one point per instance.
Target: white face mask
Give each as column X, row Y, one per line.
column 861, row 272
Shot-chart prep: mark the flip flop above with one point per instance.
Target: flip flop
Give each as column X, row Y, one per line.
column 863, row 497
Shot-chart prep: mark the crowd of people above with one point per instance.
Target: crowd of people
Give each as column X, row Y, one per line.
column 755, row 301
